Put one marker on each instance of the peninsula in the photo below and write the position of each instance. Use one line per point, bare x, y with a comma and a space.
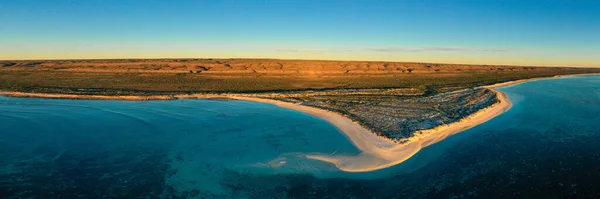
388, 110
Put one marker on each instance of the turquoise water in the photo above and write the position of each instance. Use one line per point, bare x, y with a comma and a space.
545, 146
184, 145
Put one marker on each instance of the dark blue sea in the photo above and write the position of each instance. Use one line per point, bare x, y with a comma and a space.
546, 146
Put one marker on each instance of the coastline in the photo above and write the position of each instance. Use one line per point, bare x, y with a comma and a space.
380, 152
87, 97
376, 152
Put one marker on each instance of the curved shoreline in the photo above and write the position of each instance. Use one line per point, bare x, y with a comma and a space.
380, 152
376, 152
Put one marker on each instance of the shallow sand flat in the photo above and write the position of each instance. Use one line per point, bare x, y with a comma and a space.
377, 152
380, 152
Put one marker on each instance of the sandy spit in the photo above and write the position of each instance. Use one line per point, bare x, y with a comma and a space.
380, 152
377, 152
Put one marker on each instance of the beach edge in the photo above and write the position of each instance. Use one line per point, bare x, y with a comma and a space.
377, 152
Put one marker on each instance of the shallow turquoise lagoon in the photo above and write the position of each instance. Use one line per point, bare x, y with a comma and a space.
188, 144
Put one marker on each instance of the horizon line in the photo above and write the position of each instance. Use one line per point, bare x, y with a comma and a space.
300, 59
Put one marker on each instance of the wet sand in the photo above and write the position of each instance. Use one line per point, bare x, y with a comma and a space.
380, 152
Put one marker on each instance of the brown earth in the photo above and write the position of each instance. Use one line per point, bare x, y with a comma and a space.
166, 76
253, 66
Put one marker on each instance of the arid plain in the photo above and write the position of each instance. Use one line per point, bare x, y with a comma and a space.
169, 76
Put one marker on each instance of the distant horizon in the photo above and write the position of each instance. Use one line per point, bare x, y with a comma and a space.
293, 59
520, 33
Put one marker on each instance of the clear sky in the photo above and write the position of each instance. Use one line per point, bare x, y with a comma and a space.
520, 32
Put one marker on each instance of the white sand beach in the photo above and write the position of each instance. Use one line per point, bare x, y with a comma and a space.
380, 152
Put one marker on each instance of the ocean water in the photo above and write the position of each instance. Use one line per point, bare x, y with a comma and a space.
546, 146
87, 148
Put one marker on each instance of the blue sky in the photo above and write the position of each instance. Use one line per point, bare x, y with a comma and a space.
528, 32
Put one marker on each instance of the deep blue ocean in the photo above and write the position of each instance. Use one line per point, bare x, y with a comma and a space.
546, 146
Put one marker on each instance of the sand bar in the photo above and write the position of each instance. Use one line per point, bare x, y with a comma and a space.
380, 152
